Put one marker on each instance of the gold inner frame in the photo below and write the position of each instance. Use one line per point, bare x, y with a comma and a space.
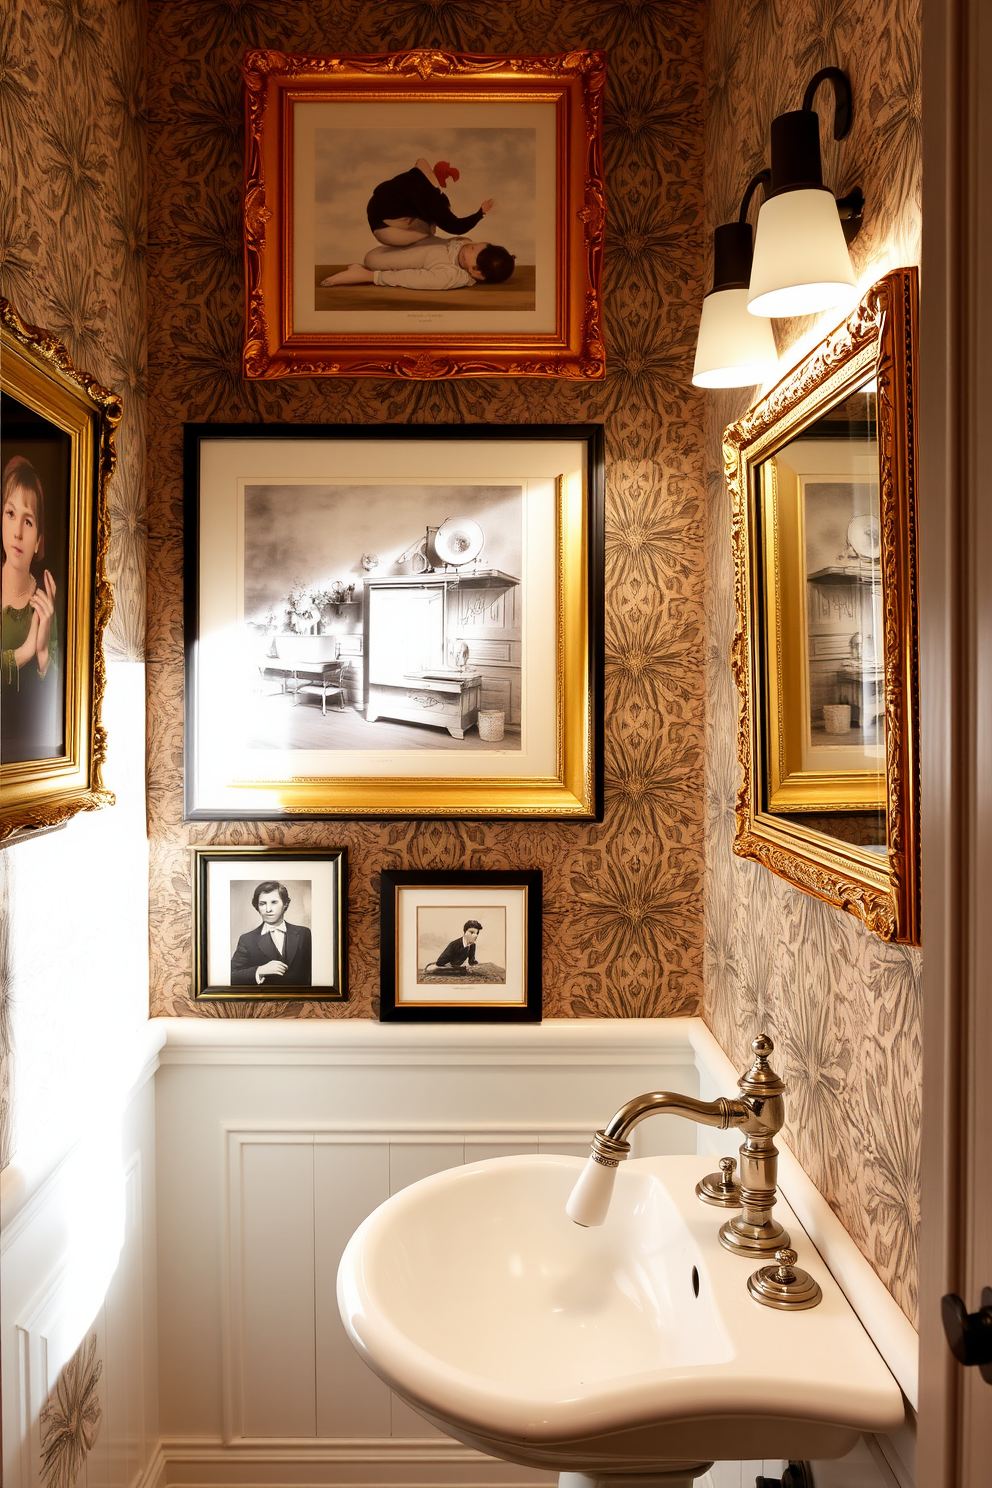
785, 663
39, 373
881, 889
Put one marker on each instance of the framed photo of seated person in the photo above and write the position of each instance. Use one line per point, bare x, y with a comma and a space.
424, 214
269, 924
460, 947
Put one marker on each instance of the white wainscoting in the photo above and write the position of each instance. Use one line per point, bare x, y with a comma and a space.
78, 1261
275, 1142
277, 1137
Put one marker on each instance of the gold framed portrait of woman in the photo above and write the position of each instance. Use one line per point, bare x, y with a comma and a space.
56, 459
821, 473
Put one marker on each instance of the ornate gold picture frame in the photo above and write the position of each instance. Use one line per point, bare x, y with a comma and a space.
822, 477
332, 144
58, 456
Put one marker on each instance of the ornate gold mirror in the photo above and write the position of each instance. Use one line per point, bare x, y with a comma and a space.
822, 478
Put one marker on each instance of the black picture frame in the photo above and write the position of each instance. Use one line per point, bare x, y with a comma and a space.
445, 896
568, 784
222, 891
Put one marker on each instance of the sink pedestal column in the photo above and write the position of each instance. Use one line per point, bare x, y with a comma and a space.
679, 1475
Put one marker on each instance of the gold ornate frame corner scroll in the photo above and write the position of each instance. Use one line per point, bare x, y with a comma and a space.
37, 370
575, 83
881, 333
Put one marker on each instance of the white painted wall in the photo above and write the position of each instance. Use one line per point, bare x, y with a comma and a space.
77, 1262
77, 1243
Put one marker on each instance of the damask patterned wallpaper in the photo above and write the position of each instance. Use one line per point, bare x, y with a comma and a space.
623, 908
843, 1007
72, 229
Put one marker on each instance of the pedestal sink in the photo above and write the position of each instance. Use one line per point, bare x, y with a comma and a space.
632, 1349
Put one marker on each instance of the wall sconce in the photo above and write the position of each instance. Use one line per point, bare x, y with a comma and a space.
734, 349
801, 262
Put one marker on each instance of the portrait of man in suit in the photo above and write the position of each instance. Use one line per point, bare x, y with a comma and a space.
276, 951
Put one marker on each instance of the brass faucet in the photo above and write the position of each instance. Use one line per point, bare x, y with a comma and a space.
758, 1112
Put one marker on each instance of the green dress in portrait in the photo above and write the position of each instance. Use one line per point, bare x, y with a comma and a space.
31, 707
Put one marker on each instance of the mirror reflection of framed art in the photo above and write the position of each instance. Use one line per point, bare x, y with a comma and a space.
822, 475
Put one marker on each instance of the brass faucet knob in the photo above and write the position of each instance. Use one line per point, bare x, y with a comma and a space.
721, 1189
762, 1046
786, 1260
784, 1286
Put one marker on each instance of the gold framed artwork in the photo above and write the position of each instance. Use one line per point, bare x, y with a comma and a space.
424, 214
394, 620
822, 476
269, 923
57, 458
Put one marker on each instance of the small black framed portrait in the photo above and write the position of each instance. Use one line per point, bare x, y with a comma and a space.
460, 947
269, 923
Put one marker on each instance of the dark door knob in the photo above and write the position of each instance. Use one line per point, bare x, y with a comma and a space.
969, 1334
796, 1475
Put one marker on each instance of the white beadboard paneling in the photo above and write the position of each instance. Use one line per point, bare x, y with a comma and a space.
412, 1160
350, 1180
273, 1296
51, 1253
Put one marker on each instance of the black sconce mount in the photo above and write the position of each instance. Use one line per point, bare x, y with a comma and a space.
795, 143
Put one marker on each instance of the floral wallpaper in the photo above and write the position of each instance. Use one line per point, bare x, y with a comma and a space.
623, 908
843, 1007
71, 1417
72, 229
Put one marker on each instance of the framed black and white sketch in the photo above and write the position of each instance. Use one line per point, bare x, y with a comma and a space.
269, 923
393, 621
460, 947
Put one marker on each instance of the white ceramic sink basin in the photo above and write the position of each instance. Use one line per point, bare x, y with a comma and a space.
588, 1350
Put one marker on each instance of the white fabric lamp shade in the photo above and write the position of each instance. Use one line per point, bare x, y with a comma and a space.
734, 349
801, 261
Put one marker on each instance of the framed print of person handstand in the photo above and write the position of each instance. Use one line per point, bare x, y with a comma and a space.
404, 214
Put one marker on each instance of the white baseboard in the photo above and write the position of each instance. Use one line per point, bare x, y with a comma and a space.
396, 1462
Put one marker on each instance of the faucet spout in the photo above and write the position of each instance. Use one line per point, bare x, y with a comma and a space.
720, 1112
758, 1111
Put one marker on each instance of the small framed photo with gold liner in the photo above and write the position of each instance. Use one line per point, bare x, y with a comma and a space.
57, 456
269, 924
460, 947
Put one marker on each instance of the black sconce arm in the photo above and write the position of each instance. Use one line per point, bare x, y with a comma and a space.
843, 100
764, 179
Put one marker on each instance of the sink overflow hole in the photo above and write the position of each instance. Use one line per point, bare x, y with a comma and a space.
695, 1282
